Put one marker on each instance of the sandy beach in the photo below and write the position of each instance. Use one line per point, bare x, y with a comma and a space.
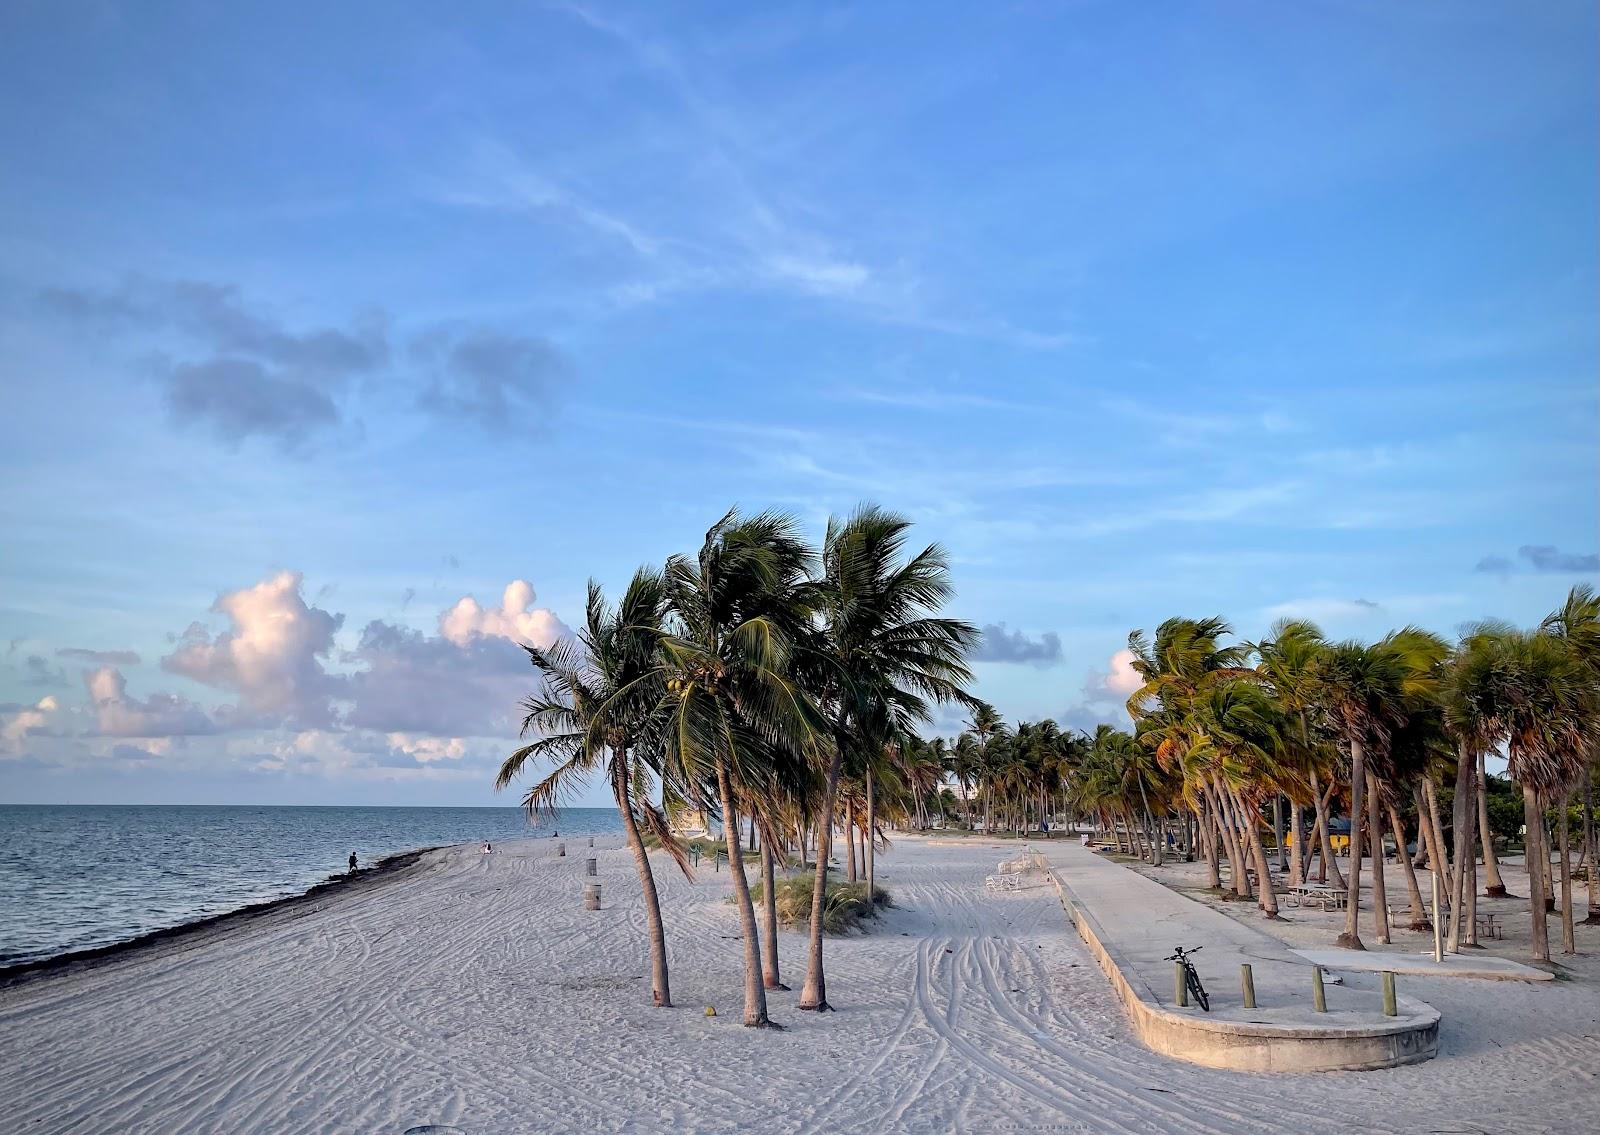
473, 991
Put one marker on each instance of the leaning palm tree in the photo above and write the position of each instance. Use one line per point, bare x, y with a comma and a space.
1546, 704
733, 711
596, 709
1577, 623
885, 656
1362, 691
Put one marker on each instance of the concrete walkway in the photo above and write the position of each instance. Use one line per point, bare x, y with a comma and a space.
1132, 924
1485, 967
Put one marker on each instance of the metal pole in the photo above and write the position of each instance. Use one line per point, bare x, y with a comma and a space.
1248, 982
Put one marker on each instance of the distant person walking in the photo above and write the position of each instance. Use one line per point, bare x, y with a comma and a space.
352, 861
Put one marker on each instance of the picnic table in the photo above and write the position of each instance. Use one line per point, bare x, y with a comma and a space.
1316, 894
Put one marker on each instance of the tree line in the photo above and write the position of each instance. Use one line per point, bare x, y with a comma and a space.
1230, 737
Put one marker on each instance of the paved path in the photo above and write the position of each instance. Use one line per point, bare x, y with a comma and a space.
1422, 965
1140, 921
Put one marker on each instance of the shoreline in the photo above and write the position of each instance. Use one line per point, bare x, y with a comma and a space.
195, 930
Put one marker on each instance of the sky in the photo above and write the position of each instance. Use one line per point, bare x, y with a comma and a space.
341, 344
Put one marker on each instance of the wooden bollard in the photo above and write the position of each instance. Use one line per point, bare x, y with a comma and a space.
591, 841
591, 896
561, 850
591, 866
1319, 998
1247, 982
1180, 985
1390, 1009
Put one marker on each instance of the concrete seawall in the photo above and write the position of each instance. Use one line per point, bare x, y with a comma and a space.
1274, 1040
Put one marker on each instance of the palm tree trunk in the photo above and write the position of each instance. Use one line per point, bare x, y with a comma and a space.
1155, 852
1568, 945
1419, 911
872, 900
1297, 874
850, 841
1591, 847
1380, 891
1324, 841
1269, 899
660, 989
1351, 938
755, 996
1494, 887
1277, 830
769, 914
1230, 834
1209, 840
1461, 830
814, 993
1533, 821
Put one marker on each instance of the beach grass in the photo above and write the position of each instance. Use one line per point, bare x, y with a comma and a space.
846, 908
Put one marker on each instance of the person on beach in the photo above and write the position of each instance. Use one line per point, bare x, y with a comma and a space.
352, 861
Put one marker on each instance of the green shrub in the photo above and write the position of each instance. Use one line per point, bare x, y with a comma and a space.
847, 906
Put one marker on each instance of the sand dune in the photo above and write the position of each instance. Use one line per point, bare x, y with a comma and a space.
475, 992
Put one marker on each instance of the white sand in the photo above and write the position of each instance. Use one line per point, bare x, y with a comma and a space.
475, 992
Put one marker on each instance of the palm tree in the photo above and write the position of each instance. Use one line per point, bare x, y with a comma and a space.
887, 657
1577, 623
1361, 689
596, 705
1287, 661
734, 712
1186, 659
1546, 704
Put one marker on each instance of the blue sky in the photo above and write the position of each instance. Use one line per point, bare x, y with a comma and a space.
320, 325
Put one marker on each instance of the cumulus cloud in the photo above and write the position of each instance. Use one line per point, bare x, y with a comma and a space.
424, 684
494, 380
271, 655
159, 715
514, 620
45, 717
402, 703
99, 657
1002, 645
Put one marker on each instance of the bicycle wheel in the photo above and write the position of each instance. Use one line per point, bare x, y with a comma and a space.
1198, 991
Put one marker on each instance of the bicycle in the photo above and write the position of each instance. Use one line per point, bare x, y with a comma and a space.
1190, 977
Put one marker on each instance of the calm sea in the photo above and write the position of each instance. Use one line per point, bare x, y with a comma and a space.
77, 876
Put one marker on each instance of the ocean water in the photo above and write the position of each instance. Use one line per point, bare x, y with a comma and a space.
73, 877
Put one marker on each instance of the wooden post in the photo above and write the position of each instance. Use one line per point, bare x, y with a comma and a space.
591, 841
1319, 997
591, 866
1389, 1007
1248, 982
1180, 987
591, 896
561, 850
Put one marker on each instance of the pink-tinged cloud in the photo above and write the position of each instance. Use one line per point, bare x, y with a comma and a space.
514, 620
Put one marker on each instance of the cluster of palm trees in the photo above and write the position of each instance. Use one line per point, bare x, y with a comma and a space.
1228, 733
770, 682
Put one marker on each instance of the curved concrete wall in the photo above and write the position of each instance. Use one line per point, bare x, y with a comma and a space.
1251, 1046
